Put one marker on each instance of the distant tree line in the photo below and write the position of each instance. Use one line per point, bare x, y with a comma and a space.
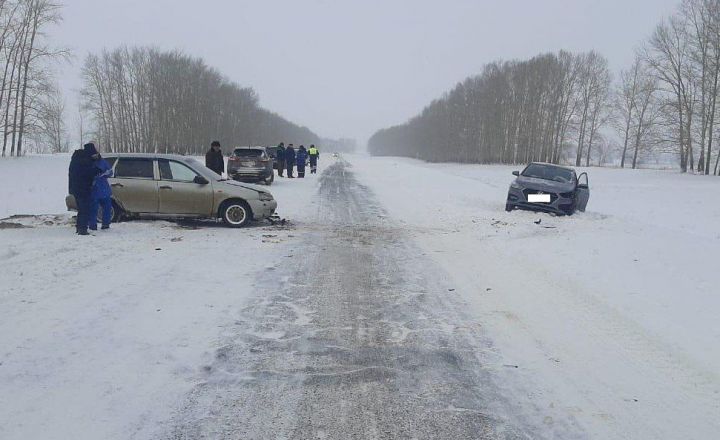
515, 111
31, 106
146, 100
564, 107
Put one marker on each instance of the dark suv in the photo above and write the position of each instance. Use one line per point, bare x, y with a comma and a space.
549, 188
251, 164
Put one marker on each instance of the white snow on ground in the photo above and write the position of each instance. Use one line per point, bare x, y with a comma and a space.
610, 315
32, 184
102, 336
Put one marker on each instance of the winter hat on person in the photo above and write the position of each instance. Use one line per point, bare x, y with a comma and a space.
90, 149
215, 144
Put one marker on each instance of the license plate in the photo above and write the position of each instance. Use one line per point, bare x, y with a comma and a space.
539, 198
248, 164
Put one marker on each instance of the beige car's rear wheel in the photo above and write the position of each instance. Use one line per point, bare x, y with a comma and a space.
236, 214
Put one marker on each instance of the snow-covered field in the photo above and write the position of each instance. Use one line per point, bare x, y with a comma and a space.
612, 316
102, 336
608, 319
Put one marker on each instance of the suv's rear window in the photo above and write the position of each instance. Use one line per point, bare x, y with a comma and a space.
134, 168
248, 153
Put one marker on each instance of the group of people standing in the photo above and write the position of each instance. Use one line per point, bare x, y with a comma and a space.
88, 183
287, 158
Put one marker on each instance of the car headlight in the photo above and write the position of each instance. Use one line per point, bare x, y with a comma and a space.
514, 185
265, 197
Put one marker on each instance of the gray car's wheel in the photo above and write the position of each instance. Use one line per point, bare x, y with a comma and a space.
236, 214
270, 179
509, 207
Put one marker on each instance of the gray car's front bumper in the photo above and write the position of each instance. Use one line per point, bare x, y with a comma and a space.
560, 203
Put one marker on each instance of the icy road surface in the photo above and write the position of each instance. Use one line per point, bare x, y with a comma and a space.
363, 340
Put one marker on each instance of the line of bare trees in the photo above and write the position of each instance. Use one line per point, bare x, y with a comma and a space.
146, 100
516, 111
565, 108
31, 107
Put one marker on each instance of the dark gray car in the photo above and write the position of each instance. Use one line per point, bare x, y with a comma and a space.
548, 188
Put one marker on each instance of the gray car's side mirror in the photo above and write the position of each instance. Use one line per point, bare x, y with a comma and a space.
200, 180
516, 173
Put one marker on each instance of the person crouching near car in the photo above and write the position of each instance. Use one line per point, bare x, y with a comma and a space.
81, 175
280, 159
301, 159
101, 195
214, 158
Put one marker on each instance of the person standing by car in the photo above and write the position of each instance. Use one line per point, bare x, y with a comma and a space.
314, 155
280, 159
214, 158
301, 160
101, 195
290, 160
81, 174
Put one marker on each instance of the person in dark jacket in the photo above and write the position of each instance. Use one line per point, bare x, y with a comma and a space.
101, 195
280, 159
290, 160
314, 155
214, 158
81, 175
301, 160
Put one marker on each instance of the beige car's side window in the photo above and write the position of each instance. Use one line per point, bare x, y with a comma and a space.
134, 168
171, 170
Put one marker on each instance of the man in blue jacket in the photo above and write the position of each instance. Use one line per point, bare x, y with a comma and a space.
81, 176
301, 158
101, 195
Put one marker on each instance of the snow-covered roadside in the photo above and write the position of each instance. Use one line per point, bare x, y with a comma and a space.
102, 336
33, 184
610, 316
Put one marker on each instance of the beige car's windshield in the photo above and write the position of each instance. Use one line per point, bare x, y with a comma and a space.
203, 169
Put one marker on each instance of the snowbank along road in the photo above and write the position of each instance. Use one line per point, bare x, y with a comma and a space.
402, 302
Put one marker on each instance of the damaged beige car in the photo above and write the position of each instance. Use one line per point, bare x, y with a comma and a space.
177, 187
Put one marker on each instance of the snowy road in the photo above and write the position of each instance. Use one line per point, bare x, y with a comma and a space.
367, 342
402, 302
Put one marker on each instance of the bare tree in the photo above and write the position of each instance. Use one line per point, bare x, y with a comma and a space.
668, 54
50, 121
144, 100
24, 54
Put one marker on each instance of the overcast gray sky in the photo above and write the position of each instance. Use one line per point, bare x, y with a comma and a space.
347, 68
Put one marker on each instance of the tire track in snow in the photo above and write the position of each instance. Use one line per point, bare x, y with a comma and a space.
353, 337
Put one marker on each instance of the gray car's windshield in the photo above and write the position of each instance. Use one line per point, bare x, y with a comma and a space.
547, 172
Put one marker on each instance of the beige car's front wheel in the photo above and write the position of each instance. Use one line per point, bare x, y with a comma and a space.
236, 214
